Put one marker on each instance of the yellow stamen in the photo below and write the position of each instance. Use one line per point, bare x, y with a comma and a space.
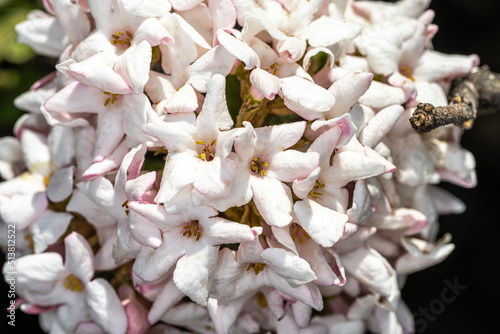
259, 166
206, 154
73, 283
192, 229
407, 73
111, 99
299, 233
257, 267
120, 38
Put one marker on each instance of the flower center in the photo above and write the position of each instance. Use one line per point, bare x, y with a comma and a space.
257, 267
120, 38
192, 229
259, 166
407, 73
273, 67
110, 99
208, 152
314, 194
299, 233
74, 283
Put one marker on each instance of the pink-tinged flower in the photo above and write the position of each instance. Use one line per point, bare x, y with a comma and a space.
189, 246
371, 269
117, 55
117, 114
271, 74
389, 219
267, 309
252, 267
43, 279
323, 191
129, 185
379, 11
188, 315
137, 313
264, 164
293, 25
325, 265
422, 254
170, 91
451, 161
24, 199
433, 201
164, 295
151, 8
50, 34
198, 149
347, 88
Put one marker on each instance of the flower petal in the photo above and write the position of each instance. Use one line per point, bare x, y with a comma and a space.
79, 258
273, 200
193, 273
49, 228
305, 97
105, 307
324, 225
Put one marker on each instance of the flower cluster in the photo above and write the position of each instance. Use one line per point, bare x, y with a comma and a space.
229, 166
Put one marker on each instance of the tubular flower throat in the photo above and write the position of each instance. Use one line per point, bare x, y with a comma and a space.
73, 283
208, 152
258, 166
112, 98
192, 229
273, 67
257, 267
119, 38
314, 194
299, 233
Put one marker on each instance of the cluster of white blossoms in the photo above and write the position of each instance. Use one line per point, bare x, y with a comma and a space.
229, 166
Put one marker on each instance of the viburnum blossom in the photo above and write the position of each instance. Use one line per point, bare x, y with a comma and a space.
229, 166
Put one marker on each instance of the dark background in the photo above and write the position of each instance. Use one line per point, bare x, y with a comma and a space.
465, 27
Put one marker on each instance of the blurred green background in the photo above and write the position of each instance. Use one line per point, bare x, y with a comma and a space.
19, 66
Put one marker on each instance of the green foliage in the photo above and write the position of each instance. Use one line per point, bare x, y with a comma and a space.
234, 100
19, 66
11, 50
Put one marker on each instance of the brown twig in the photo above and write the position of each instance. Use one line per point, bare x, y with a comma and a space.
474, 95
